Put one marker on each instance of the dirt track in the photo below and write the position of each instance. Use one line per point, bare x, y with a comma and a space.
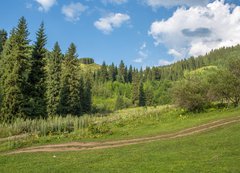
78, 146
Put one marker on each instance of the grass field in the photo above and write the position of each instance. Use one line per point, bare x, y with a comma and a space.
126, 124
214, 151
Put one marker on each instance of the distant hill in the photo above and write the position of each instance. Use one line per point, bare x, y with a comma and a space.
218, 57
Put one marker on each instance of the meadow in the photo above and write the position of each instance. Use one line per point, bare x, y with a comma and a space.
122, 124
213, 151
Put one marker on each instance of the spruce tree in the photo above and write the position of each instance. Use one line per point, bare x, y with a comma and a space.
126, 75
3, 39
142, 99
70, 101
37, 77
135, 88
16, 59
130, 74
121, 72
104, 72
87, 99
53, 80
112, 73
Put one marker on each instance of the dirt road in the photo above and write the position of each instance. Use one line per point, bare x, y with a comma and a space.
78, 146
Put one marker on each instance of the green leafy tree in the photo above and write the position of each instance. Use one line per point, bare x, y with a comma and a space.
37, 77
191, 93
119, 104
53, 80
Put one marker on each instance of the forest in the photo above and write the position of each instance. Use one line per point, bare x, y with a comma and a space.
38, 83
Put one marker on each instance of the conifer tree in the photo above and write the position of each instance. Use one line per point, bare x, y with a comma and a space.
135, 88
70, 101
37, 77
142, 99
112, 73
16, 59
104, 72
53, 80
126, 75
121, 72
3, 39
130, 74
87, 99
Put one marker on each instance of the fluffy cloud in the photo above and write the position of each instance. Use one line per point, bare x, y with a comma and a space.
162, 62
45, 5
142, 54
108, 23
114, 1
197, 30
170, 3
73, 11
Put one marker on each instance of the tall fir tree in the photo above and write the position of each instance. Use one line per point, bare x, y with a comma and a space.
3, 39
37, 77
70, 100
135, 88
142, 99
87, 99
104, 72
121, 72
112, 73
126, 75
16, 58
130, 71
53, 80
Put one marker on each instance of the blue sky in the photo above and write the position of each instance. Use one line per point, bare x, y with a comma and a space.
140, 32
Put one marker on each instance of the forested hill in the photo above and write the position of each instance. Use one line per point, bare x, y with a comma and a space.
36, 82
218, 57
172, 72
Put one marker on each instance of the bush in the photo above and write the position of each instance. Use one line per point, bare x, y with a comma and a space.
99, 128
191, 93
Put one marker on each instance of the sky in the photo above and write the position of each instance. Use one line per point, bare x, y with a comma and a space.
139, 32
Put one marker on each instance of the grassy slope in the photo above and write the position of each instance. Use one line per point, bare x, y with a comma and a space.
130, 123
214, 151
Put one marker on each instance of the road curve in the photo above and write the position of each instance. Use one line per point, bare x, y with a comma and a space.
79, 146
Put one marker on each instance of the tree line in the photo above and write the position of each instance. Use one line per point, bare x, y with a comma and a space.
35, 82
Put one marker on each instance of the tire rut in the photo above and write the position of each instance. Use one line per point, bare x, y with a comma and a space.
79, 146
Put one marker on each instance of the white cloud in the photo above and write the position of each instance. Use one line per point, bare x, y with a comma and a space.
163, 62
108, 23
29, 5
142, 53
198, 30
114, 1
45, 5
73, 11
171, 3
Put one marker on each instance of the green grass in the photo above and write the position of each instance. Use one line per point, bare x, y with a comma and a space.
124, 124
214, 151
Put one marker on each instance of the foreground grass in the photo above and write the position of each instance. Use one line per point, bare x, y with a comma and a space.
124, 124
214, 151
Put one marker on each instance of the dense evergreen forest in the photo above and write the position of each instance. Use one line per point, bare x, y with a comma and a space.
36, 82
